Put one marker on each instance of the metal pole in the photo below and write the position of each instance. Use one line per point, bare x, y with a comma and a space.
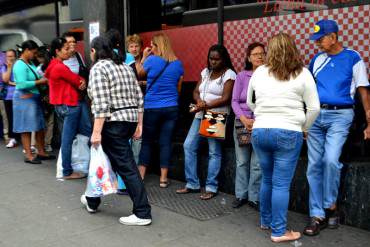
56, 7
220, 21
125, 18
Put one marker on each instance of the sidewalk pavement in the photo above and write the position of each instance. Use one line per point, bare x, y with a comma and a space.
36, 210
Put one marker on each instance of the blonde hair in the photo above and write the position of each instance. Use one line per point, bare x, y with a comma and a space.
283, 59
163, 44
134, 39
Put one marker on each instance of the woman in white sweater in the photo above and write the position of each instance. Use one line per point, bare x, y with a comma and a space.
282, 94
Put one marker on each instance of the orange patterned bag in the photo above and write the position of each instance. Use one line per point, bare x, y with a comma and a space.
213, 124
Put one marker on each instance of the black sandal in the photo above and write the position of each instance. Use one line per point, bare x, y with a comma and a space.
187, 191
164, 184
46, 157
35, 161
265, 228
207, 195
333, 218
315, 226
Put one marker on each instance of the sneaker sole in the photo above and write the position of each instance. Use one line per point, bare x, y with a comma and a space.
135, 224
84, 202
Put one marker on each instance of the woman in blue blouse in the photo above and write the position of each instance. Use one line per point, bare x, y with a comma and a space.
164, 76
27, 111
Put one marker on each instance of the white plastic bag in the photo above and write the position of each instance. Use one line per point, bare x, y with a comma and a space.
102, 180
80, 156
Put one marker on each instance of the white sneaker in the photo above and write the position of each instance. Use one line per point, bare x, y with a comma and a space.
84, 202
132, 220
48, 148
12, 143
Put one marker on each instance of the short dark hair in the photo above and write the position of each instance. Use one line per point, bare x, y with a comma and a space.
104, 50
224, 54
45, 54
68, 34
249, 65
56, 44
29, 44
116, 40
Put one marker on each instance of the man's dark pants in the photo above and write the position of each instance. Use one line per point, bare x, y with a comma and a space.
115, 143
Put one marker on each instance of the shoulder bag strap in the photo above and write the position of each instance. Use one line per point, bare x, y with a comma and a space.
156, 78
34, 73
79, 59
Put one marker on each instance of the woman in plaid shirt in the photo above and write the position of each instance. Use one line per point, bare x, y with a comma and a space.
117, 106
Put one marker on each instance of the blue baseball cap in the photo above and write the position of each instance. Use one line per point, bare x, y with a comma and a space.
323, 28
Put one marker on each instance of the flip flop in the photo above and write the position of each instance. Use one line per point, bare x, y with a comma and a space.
265, 228
34, 161
187, 191
164, 184
288, 236
207, 195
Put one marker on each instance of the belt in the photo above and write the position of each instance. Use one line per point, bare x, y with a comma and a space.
335, 107
122, 108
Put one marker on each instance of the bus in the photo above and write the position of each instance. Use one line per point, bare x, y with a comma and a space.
192, 27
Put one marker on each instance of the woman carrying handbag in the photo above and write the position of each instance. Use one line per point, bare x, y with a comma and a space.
247, 171
164, 73
212, 95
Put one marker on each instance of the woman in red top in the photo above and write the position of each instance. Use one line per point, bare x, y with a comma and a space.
65, 88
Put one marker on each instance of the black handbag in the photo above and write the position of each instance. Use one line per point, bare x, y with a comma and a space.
3, 91
83, 70
243, 135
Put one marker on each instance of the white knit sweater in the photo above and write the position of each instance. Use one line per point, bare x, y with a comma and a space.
279, 104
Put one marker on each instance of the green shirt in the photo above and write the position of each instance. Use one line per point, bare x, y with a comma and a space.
24, 77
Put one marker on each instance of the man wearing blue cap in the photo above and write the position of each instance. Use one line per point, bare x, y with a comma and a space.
338, 72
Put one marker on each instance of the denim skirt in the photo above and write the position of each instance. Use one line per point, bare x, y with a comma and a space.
28, 115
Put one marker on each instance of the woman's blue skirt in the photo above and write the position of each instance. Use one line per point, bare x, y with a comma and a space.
28, 115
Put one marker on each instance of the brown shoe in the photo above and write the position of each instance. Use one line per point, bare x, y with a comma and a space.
75, 175
288, 236
314, 226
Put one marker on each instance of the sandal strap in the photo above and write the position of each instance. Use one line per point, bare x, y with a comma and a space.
207, 195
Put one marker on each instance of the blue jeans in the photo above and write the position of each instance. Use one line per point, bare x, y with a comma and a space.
76, 120
278, 152
191, 156
136, 147
247, 173
158, 125
325, 141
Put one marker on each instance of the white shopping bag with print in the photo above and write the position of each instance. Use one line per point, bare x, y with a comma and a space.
101, 180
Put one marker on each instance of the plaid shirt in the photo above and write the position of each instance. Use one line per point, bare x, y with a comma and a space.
112, 87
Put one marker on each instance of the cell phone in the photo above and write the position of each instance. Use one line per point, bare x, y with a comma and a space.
192, 107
